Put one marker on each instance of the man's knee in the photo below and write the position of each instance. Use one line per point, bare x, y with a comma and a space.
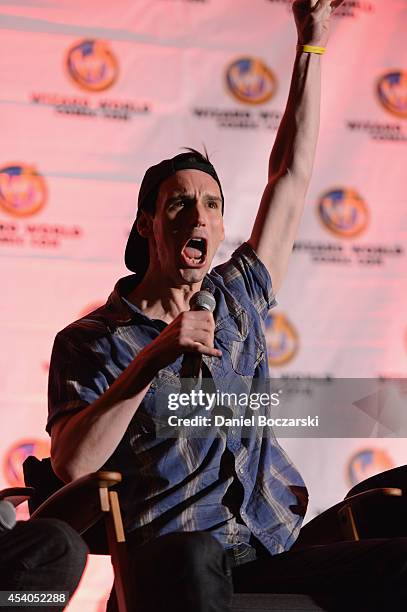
62, 541
197, 549
187, 554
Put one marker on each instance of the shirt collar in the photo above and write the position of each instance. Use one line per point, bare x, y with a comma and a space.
122, 311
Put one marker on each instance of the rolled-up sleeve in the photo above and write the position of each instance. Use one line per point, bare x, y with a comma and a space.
75, 380
244, 272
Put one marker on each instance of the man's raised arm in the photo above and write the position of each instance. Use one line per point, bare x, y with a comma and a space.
293, 153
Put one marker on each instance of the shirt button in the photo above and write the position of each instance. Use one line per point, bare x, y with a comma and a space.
241, 470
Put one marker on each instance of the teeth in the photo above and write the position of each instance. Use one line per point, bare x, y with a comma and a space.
197, 243
195, 250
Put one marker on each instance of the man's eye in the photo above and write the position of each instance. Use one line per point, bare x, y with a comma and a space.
213, 204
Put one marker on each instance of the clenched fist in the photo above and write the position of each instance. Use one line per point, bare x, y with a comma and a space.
191, 332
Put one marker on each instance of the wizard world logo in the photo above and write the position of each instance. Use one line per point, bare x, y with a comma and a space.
391, 90
281, 338
250, 80
17, 454
92, 65
343, 212
366, 463
23, 191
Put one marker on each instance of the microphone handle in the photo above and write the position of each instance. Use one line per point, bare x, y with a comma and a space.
191, 366
192, 362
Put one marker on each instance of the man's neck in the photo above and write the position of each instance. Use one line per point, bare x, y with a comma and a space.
157, 298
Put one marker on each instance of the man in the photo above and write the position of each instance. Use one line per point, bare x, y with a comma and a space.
186, 501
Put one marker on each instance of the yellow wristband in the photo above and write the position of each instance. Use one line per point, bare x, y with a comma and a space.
312, 49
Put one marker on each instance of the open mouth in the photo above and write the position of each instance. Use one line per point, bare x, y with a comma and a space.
194, 252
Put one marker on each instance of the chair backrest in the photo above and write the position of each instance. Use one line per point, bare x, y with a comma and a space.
375, 513
396, 477
40, 475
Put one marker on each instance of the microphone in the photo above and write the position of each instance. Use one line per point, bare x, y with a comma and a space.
192, 363
7, 515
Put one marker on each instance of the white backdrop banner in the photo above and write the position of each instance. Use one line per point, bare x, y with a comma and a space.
93, 95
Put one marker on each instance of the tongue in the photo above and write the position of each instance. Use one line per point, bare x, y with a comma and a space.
191, 252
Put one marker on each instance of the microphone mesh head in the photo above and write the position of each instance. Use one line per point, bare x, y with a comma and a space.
202, 300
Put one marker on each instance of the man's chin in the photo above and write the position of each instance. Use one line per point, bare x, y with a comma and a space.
192, 275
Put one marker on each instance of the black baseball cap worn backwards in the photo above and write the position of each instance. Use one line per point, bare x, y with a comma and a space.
136, 255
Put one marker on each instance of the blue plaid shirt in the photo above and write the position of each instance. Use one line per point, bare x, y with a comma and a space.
188, 484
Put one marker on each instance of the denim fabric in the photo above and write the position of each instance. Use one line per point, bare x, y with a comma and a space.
238, 554
189, 572
365, 576
179, 572
178, 484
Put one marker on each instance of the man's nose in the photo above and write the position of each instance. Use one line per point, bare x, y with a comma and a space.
197, 215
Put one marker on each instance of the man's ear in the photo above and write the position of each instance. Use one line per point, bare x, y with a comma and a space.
144, 224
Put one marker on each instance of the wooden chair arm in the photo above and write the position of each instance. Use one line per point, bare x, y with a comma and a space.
80, 503
396, 477
360, 516
378, 492
17, 495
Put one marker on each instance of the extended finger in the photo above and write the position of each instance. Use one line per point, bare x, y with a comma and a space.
202, 349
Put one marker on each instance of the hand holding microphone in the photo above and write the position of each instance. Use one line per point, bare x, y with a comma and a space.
191, 334
192, 363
